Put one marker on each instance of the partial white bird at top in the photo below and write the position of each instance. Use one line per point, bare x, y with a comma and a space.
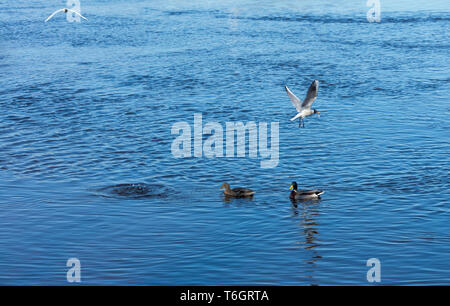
304, 108
65, 10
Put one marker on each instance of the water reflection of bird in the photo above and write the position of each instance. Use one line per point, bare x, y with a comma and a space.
308, 212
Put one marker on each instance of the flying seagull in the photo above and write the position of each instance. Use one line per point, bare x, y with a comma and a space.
65, 10
304, 108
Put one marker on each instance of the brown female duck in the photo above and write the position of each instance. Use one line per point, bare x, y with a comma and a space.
236, 192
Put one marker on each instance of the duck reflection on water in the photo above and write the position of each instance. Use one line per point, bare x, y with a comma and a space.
308, 211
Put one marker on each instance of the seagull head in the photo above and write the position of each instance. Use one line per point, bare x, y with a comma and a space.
316, 112
66, 10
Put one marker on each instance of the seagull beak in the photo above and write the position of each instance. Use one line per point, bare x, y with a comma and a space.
290, 188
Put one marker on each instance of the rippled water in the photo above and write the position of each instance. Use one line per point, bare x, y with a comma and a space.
88, 107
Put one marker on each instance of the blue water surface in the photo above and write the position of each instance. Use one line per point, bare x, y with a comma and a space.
87, 107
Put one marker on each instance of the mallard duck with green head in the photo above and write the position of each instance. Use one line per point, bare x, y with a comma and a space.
296, 194
236, 192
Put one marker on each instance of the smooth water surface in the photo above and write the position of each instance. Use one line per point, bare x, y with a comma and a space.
87, 109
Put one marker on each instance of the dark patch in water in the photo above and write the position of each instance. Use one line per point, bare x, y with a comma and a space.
133, 191
339, 19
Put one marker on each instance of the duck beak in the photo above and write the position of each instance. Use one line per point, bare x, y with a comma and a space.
290, 188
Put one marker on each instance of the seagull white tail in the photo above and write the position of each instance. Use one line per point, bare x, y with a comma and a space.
296, 117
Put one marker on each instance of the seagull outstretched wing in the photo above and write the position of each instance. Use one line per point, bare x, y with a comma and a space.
295, 101
54, 13
311, 95
64, 10
77, 14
